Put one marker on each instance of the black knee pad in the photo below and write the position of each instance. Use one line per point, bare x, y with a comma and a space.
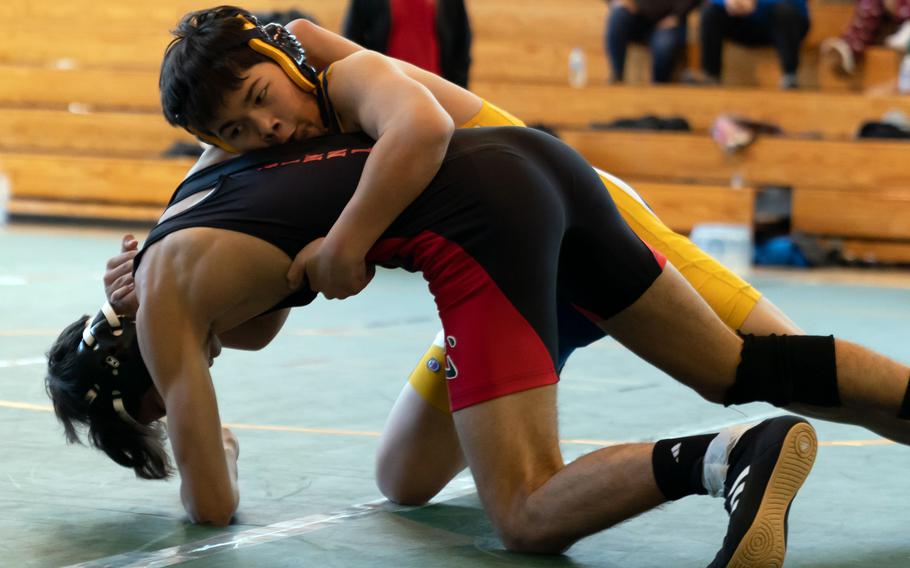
783, 369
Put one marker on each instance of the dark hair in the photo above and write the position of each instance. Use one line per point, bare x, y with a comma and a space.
138, 447
207, 58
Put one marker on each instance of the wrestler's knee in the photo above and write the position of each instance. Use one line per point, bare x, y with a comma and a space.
786, 369
522, 532
402, 481
404, 494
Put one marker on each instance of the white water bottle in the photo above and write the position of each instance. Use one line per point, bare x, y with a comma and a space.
903, 76
578, 68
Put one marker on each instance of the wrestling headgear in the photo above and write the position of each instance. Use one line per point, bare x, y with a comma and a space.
278, 44
108, 352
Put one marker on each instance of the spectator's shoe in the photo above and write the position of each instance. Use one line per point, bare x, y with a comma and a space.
765, 467
900, 40
838, 53
788, 82
698, 78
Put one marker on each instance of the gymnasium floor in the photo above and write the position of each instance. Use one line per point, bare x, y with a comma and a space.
307, 411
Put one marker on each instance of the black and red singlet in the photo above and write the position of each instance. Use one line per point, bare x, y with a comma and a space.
521, 246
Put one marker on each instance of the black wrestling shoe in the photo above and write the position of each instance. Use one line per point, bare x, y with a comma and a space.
767, 466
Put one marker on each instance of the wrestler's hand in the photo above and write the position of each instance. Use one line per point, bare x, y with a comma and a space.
330, 270
335, 271
119, 288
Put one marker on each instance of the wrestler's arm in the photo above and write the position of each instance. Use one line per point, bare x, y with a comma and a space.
322, 46
412, 132
120, 291
256, 333
174, 340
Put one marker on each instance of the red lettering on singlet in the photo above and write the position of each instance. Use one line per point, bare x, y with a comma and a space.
316, 157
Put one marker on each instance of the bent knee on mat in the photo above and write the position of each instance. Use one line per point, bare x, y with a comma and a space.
530, 537
409, 492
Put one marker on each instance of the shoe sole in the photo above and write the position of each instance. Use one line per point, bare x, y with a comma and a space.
765, 543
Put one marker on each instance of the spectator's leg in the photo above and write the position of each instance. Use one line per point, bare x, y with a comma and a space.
623, 27
713, 28
863, 28
788, 28
666, 46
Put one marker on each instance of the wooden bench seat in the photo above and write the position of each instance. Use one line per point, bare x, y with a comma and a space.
28, 86
824, 164
91, 179
859, 191
163, 13
834, 115
137, 189
682, 206
120, 134
874, 214
513, 40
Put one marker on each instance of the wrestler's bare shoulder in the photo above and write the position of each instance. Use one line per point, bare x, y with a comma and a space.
236, 275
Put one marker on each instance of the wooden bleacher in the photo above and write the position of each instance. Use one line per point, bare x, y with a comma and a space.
29, 86
836, 115
833, 164
81, 131
514, 40
831, 115
859, 191
111, 134
61, 185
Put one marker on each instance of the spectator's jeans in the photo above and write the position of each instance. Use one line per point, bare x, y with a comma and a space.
624, 27
781, 25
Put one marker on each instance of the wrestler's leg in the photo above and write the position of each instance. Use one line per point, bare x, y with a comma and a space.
536, 503
765, 318
418, 450
742, 307
671, 327
733, 299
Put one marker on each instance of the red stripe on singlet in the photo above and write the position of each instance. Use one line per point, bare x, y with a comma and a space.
496, 351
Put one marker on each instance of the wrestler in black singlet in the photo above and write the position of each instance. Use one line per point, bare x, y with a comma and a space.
513, 229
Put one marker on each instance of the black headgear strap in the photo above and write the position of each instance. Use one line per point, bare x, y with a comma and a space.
109, 354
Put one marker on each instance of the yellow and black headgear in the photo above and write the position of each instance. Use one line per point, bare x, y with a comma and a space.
281, 46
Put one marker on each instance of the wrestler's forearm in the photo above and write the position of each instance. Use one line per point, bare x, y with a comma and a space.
400, 166
322, 46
